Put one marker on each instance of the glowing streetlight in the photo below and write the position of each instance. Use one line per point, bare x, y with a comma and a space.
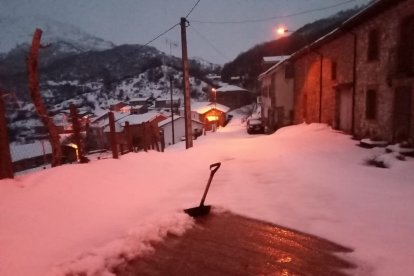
281, 30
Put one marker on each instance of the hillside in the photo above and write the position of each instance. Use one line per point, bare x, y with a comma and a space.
19, 30
248, 64
93, 79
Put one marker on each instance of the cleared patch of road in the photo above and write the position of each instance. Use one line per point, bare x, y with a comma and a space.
229, 244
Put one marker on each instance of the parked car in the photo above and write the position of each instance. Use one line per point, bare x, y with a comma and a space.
254, 126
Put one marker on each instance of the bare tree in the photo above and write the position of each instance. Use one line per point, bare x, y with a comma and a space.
32, 70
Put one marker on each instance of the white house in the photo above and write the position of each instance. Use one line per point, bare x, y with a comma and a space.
179, 129
276, 85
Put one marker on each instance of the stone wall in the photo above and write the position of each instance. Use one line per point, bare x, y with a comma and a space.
316, 103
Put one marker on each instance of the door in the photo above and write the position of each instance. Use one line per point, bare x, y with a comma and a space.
402, 113
345, 110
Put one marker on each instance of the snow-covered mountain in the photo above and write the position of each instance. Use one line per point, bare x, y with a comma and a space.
71, 39
87, 71
204, 64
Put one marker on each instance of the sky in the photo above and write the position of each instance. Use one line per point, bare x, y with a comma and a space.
305, 177
139, 21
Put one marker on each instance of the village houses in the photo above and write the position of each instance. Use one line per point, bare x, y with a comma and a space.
359, 78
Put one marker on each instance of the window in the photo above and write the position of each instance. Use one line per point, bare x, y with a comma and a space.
371, 104
406, 47
373, 45
289, 71
333, 70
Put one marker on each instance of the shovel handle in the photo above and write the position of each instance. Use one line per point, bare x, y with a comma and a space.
213, 168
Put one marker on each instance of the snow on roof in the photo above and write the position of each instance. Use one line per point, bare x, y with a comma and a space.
25, 151
114, 102
203, 107
230, 87
274, 58
331, 35
136, 119
355, 19
102, 121
167, 98
118, 128
168, 120
139, 99
281, 61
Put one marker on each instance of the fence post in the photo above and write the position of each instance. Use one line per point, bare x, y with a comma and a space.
145, 136
114, 146
162, 140
128, 136
6, 165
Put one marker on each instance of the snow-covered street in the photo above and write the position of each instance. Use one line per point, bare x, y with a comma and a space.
311, 178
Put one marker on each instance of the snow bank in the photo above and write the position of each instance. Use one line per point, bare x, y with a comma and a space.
87, 218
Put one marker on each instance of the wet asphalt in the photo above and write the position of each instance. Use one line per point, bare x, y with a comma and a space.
229, 244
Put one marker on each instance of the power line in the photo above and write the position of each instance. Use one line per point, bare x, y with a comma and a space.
161, 34
192, 8
211, 44
274, 17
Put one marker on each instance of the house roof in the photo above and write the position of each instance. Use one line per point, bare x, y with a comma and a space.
228, 88
136, 119
167, 98
168, 121
203, 107
274, 59
272, 68
370, 11
139, 99
103, 120
115, 102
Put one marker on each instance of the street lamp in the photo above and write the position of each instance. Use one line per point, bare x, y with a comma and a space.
281, 30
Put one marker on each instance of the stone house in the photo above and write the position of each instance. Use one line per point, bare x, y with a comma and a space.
115, 105
360, 77
136, 127
165, 102
96, 137
139, 105
276, 92
233, 96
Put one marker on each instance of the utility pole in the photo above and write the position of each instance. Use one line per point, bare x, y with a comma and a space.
186, 85
172, 109
171, 43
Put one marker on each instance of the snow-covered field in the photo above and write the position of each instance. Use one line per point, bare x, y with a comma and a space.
89, 217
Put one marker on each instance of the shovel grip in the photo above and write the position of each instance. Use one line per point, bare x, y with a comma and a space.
214, 167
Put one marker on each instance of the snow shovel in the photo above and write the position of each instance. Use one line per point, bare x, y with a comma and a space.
203, 210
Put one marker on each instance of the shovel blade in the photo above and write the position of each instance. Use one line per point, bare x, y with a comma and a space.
198, 211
